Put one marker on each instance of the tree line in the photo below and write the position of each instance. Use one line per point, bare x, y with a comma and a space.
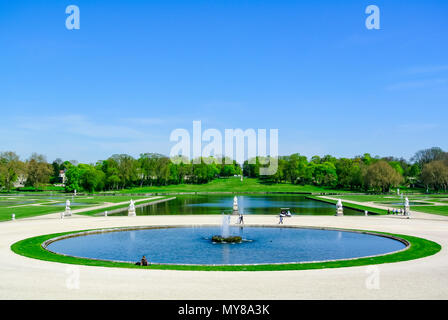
427, 169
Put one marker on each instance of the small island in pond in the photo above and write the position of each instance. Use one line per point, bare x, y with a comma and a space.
231, 239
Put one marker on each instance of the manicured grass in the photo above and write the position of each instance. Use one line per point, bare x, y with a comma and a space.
122, 206
233, 185
371, 198
26, 211
419, 248
385, 201
440, 210
350, 205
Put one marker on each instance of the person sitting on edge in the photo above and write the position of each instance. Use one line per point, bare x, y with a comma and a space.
144, 262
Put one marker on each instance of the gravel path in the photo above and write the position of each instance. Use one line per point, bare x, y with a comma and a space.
25, 278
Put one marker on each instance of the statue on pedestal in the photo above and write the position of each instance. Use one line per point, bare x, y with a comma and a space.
68, 211
339, 209
407, 209
235, 205
131, 210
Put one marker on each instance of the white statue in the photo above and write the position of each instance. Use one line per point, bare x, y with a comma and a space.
235, 205
407, 210
68, 211
339, 208
131, 210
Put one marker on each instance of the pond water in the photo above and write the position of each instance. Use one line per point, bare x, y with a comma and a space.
192, 245
411, 203
248, 204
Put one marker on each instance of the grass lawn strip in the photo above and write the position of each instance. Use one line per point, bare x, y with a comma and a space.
350, 205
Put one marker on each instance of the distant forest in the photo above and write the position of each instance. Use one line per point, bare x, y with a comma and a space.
427, 169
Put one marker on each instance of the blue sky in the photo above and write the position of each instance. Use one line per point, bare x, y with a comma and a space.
136, 70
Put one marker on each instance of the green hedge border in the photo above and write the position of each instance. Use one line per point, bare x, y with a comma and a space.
418, 248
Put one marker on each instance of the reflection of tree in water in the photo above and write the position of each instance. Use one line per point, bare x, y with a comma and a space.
248, 204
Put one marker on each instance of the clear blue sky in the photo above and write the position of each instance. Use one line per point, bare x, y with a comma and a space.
136, 70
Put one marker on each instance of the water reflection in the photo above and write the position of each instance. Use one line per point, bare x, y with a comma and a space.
248, 204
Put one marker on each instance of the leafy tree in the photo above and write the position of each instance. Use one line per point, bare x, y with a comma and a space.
435, 175
57, 167
381, 176
38, 170
397, 166
10, 168
425, 156
325, 174
72, 176
295, 168
90, 178
127, 169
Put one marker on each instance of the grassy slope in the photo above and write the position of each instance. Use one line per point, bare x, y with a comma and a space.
352, 206
419, 248
233, 185
440, 210
93, 212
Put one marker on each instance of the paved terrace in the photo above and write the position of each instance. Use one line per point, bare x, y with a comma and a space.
25, 278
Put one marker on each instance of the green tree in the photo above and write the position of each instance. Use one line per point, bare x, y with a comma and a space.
90, 178
381, 176
72, 176
425, 156
38, 170
10, 168
435, 175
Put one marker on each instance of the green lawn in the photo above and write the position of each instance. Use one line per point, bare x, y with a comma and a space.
233, 185
350, 205
26, 211
122, 206
441, 210
385, 199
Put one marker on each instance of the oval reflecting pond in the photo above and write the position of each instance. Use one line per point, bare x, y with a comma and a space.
192, 245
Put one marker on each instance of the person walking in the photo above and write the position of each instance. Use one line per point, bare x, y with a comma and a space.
281, 220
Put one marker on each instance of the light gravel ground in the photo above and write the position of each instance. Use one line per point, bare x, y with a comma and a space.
25, 278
